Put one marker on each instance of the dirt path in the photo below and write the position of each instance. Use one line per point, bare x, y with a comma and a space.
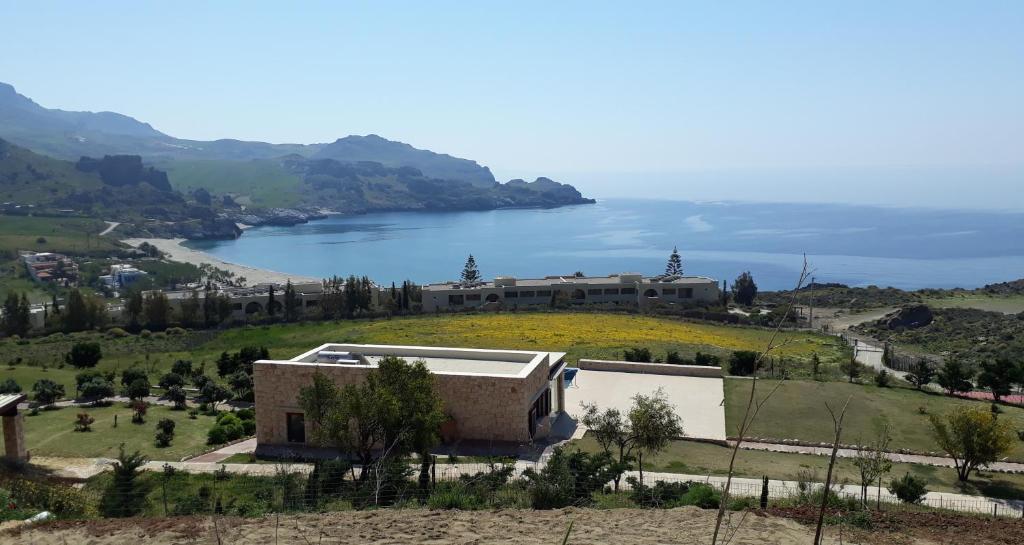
111, 225
423, 526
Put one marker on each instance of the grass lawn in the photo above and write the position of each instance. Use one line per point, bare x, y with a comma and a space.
797, 411
1009, 304
62, 234
707, 459
52, 433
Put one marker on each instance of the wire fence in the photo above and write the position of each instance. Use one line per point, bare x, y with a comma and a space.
338, 486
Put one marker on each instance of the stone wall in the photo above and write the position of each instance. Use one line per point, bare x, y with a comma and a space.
651, 368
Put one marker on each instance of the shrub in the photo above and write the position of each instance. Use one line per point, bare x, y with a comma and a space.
60, 499
166, 425
116, 332
83, 422
637, 355
882, 379
667, 495
216, 436
709, 360
674, 358
908, 488
163, 439
84, 354
193, 413
9, 386
175, 331
139, 409
568, 479
145, 334
453, 495
742, 363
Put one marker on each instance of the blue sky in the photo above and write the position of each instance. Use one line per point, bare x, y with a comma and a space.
692, 100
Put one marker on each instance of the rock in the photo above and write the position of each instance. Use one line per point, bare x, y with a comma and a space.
909, 317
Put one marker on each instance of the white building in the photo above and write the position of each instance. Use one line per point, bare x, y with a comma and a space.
122, 276
616, 289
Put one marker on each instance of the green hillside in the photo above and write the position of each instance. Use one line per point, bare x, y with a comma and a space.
262, 182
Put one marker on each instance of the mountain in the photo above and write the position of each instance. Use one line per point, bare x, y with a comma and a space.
264, 176
397, 154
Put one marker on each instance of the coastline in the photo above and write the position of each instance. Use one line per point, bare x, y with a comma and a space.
174, 251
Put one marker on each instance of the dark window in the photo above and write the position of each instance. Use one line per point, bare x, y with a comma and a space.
668, 291
527, 294
628, 291
543, 293
594, 291
455, 299
472, 296
511, 294
296, 428
312, 303
611, 291
686, 293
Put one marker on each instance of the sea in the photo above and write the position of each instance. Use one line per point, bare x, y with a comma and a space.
908, 248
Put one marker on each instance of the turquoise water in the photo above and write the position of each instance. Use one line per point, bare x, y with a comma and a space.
905, 248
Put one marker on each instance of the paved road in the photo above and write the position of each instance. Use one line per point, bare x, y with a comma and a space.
111, 225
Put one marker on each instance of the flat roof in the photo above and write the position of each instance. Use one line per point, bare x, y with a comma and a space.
571, 280
438, 359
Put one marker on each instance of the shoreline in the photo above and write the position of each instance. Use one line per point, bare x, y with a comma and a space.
174, 251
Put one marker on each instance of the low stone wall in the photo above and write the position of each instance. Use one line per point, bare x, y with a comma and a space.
650, 368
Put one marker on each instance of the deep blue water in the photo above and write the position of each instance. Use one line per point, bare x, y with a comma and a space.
856, 245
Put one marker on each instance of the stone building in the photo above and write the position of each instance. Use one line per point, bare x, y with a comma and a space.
500, 396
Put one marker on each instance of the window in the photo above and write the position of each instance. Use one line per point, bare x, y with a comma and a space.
472, 296
511, 294
668, 291
594, 291
686, 293
296, 427
611, 291
543, 293
455, 299
527, 294
541, 408
628, 291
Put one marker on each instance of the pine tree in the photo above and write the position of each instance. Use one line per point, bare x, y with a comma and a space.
470, 274
271, 303
675, 263
744, 290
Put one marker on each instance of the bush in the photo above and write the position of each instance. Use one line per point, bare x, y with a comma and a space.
637, 355
227, 428
668, 495
708, 360
145, 334
163, 439
84, 354
216, 436
83, 422
882, 379
175, 331
116, 332
674, 358
742, 363
453, 495
568, 479
908, 488
59, 499
9, 386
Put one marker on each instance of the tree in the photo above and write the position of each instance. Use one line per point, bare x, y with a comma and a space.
81, 314
133, 307
182, 367
189, 309
9, 386
972, 437
872, 462
921, 373
882, 378
837, 427
743, 363
84, 354
169, 380
396, 408
998, 376
240, 383
123, 497
16, 317
955, 376
83, 422
815, 365
164, 432
744, 290
97, 388
271, 303
46, 391
470, 274
852, 368
132, 374
137, 389
139, 410
614, 435
292, 305
214, 393
157, 310
654, 423
674, 267
908, 488
176, 395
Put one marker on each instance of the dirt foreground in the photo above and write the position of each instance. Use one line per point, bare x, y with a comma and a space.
421, 526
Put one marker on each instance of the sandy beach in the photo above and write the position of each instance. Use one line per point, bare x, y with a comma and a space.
174, 251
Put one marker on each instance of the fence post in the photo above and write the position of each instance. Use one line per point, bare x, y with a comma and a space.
433, 471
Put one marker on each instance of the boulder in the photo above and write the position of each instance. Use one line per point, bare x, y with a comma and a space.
909, 317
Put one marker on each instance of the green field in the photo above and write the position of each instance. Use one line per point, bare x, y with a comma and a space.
52, 433
579, 334
797, 411
263, 181
69, 235
707, 459
1007, 304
